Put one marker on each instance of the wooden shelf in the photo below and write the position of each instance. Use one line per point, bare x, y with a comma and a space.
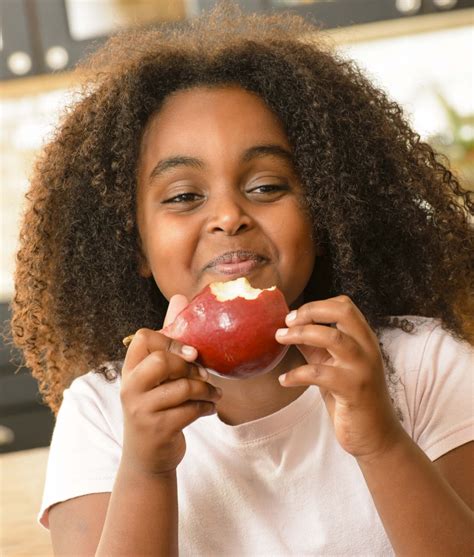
27, 86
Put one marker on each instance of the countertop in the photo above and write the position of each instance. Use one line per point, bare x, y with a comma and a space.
22, 476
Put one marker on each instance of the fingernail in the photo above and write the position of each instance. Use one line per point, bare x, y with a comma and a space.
203, 372
282, 332
282, 378
219, 391
189, 351
127, 340
291, 316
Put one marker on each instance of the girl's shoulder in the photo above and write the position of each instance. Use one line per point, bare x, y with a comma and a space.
417, 326
100, 384
430, 379
416, 340
92, 405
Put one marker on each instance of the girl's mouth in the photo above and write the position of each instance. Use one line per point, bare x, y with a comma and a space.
236, 263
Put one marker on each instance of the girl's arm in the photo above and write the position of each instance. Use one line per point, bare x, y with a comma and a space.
142, 517
421, 513
77, 523
162, 391
139, 517
421, 504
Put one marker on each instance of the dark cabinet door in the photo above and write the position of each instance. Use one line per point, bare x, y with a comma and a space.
37, 38
19, 55
25, 422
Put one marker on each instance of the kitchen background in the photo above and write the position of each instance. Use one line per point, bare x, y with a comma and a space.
420, 51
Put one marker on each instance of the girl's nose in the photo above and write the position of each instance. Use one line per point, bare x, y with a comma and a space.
228, 216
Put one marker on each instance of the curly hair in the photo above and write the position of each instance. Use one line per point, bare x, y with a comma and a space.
392, 218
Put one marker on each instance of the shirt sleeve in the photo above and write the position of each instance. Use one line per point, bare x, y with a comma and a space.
85, 448
444, 412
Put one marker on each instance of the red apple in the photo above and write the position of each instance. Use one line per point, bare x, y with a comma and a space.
232, 326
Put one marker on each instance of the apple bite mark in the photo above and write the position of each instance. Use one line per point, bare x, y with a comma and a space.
241, 287
232, 326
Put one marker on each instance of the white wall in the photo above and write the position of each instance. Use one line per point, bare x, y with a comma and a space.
409, 68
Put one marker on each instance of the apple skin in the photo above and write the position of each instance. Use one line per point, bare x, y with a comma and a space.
234, 338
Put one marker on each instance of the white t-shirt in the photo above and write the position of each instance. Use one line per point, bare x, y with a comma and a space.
280, 485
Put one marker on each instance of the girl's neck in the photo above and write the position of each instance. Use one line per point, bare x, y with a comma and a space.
250, 399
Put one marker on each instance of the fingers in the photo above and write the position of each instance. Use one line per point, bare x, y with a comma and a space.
337, 343
147, 341
180, 400
179, 393
177, 303
178, 418
341, 313
343, 383
337, 380
160, 367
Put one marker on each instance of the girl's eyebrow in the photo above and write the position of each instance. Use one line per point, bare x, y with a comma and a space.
269, 150
257, 151
167, 164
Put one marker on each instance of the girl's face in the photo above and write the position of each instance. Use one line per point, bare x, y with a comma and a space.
219, 198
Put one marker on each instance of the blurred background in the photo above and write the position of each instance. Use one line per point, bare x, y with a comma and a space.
420, 51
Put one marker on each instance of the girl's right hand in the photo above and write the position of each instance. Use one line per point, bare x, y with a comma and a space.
162, 392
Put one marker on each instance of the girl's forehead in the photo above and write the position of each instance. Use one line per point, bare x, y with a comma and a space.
214, 129
210, 110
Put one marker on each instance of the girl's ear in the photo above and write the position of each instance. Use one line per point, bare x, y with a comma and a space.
144, 269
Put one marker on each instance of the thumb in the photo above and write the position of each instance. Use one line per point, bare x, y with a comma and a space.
177, 303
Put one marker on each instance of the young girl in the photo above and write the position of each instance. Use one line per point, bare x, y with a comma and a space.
238, 147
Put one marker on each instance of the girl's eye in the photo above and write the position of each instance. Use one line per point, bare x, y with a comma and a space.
183, 198
270, 190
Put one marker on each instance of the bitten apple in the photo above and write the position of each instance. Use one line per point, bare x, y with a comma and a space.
232, 326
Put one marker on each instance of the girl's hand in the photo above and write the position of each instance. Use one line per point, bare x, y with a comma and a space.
162, 392
345, 362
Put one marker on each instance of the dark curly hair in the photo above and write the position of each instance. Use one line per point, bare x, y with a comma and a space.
392, 218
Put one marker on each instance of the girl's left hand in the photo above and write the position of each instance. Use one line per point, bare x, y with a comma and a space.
345, 362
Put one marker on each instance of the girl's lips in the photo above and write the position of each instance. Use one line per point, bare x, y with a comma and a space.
236, 263
239, 268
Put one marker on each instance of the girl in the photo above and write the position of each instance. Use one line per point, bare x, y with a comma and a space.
236, 147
